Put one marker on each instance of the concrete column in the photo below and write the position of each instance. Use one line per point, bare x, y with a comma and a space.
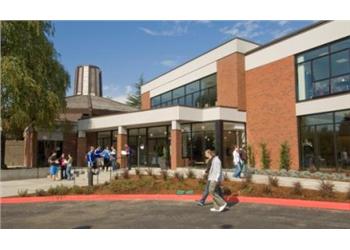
30, 147
82, 149
121, 141
175, 145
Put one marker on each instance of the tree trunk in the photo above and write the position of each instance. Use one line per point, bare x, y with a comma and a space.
3, 143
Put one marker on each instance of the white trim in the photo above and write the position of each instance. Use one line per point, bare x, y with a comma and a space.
312, 38
162, 115
86, 80
210, 57
326, 104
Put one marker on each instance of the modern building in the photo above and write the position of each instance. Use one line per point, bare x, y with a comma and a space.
293, 90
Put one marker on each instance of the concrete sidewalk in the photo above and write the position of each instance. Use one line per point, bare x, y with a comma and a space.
11, 188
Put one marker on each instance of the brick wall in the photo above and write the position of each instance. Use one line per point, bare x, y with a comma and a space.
231, 81
271, 116
14, 152
145, 101
70, 145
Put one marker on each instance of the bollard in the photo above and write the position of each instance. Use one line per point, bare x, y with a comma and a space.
90, 178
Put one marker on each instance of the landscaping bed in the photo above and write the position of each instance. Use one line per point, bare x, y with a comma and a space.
152, 184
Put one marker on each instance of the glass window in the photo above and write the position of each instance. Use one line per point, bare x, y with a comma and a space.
305, 89
209, 81
320, 68
212, 97
205, 126
196, 99
322, 88
157, 132
326, 118
192, 87
340, 63
189, 100
155, 101
133, 131
179, 92
340, 84
181, 101
312, 54
344, 44
186, 128
104, 138
166, 97
342, 116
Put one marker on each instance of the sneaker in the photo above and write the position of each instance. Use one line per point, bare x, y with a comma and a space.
215, 210
199, 203
222, 207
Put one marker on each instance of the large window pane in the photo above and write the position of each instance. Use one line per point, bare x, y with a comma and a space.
104, 139
179, 92
212, 97
340, 84
166, 97
340, 63
312, 54
344, 44
157, 132
155, 101
320, 68
192, 87
189, 100
208, 81
305, 88
322, 88
326, 118
203, 126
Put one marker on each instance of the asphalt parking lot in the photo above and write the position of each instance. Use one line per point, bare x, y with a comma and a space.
165, 214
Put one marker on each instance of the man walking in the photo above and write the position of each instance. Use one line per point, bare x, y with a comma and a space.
236, 162
214, 178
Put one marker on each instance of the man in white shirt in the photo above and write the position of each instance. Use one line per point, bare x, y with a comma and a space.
236, 162
214, 178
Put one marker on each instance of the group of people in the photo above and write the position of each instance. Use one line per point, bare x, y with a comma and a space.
106, 158
213, 173
59, 162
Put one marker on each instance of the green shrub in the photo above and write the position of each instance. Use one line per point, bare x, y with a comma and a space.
267, 189
40, 192
164, 173
273, 181
22, 192
179, 176
191, 174
149, 171
246, 182
116, 177
77, 190
265, 156
58, 190
88, 190
285, 156
251, 157
326, 189
348, 194
297, 188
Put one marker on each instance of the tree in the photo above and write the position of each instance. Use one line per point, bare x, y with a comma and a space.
33, 81
251, 157
285, 156
265, 156
134, 100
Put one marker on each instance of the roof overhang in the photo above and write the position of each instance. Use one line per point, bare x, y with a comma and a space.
161, 116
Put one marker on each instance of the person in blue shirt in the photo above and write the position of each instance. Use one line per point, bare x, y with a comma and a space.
90, 158
106, 158
99, 157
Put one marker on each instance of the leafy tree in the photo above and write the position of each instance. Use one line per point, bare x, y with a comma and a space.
285, 156
33, 81
134, 100
265, 156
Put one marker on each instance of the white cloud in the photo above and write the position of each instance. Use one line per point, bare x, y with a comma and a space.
176, 29
279, 33
169, 62
121, 98
244, 29
282, 22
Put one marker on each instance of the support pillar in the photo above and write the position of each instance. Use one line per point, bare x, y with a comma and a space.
82, 149
30, 147
219, 131
121, 141
175, 145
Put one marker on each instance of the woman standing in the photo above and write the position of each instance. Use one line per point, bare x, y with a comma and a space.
63, 165
69, 167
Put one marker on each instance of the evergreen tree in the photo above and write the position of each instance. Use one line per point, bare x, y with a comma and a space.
285, 156
265, 156
134, 100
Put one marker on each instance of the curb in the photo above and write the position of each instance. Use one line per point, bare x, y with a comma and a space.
173, 197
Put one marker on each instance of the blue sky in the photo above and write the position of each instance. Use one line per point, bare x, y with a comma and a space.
126, 49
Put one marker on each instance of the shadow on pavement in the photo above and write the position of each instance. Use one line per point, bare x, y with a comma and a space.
82, 227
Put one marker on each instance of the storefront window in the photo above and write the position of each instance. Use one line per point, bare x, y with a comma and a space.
104, 139
325, 140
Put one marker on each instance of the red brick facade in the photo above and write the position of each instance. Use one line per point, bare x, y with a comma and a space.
145, 101
82, 149
70, 145
271, 115
121, 141
176, 147
231, 82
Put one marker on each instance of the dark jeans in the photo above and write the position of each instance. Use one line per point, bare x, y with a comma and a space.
206, 192
63, 173
129, 162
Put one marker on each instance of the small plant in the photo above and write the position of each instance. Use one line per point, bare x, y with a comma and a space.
40, 192
348, 194
251, 157
326, 189
246, 182
106, 183
179, 176
116, 177
297, 188
202, 181
88, 190
285, 156
126, 174
226, 191
22, 192
149, 171
225, 177
267, 189
138, 172
191, 174
58, 190
77, 190
273, 181
265, 156
165, 175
